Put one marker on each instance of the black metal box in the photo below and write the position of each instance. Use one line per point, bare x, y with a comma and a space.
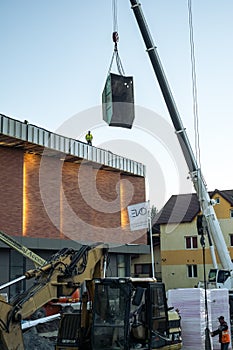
118, 101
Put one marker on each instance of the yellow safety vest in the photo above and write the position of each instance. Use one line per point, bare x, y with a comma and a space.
89, 137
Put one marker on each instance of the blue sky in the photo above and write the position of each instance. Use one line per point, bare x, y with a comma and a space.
55, 56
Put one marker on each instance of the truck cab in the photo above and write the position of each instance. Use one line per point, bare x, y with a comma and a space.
219, 279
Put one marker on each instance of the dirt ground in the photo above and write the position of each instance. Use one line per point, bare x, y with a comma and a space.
41, 337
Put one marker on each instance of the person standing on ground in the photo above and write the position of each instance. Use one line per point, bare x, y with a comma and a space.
89, 138
223, 332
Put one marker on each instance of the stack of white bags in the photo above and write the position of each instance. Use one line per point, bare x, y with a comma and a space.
191, 305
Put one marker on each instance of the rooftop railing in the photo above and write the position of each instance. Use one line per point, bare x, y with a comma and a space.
46, 139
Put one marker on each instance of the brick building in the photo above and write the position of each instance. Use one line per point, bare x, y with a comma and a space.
59, 192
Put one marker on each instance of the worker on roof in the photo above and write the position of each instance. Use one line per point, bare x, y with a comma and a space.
223, 333
89, 138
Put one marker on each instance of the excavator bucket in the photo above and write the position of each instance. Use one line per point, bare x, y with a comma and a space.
11, 337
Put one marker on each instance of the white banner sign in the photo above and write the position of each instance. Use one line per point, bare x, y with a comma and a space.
138, 216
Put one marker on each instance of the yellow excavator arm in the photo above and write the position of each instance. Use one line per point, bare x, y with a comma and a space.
11, 242
60, 276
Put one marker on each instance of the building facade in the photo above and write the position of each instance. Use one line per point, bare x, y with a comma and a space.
58, 192
181, 250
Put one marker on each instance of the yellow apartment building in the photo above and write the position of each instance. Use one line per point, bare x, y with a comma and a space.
180, 247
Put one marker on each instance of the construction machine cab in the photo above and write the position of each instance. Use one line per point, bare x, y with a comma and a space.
219, 278
111, 309
129, 313
124, 313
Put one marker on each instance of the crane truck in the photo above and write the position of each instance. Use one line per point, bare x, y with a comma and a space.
218, 278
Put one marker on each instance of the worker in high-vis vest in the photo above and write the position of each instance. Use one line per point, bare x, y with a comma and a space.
223, 332
89, 138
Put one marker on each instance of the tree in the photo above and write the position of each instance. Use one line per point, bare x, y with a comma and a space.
154, 211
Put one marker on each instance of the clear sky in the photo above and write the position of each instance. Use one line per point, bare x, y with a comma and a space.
55, 56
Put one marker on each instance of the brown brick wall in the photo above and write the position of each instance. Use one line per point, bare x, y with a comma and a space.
11, 190
107, 199
67, 200
75, 212
133, 192
138, 184
90, 197
42, 200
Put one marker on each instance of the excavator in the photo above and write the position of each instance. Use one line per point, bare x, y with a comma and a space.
121, 313
114, 312
60, 276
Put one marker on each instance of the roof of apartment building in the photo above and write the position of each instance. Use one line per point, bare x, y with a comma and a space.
184, 207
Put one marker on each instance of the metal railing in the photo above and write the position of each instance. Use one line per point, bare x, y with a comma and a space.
44, 138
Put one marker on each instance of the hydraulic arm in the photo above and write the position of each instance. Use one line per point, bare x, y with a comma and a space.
60, 276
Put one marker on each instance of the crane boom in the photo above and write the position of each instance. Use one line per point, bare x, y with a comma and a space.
195, 172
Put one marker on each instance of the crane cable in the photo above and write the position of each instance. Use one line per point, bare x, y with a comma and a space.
198, 155
194, 84
115, 38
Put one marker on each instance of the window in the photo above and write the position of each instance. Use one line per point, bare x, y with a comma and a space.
231, 239
17, 269
217, 200
142, 269
231, 213
120, 265
191, 242
192, 271
223, 276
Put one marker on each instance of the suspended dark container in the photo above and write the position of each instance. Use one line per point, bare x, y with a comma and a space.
118, 101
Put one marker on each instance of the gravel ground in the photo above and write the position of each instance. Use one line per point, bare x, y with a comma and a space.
41, 337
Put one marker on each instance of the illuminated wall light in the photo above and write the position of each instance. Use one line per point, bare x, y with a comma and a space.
25, 203
124, 212
28, 164
61, 212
